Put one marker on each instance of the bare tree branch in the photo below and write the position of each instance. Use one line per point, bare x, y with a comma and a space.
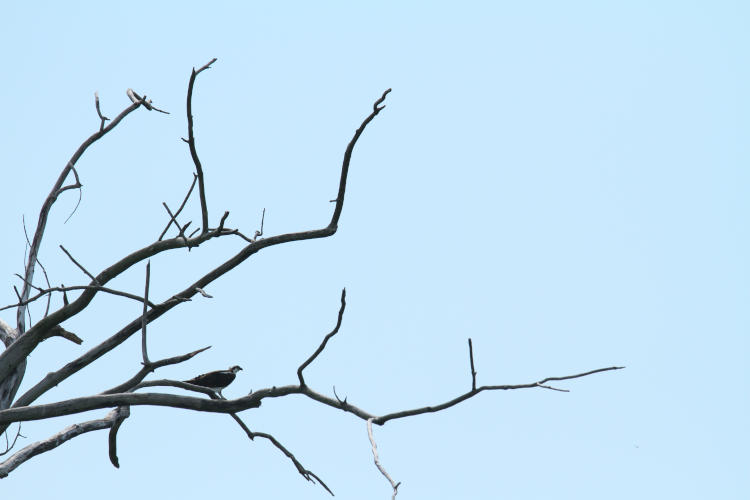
47, 205
10, 445
58, 331
12, 382
63, 289
172, 219
143, 372
93, 279
253, 400
191, 144
432, 409
99, 111
325, 340
24, 345
184, 201
376, 108
56, 440
473, 372
382, 470
144, 346
123, 412
307, 474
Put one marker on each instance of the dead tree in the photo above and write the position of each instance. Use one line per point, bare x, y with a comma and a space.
22, 340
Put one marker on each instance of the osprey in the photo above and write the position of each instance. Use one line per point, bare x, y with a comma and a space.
217, 380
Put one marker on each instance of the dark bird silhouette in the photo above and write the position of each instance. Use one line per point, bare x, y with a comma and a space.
216, 381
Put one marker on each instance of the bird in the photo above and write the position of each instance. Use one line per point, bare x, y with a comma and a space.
216, 381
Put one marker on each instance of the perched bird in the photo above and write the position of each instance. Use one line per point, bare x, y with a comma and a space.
217, 380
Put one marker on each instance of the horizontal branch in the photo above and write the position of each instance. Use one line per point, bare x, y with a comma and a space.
463, 397
45, 291
253, 400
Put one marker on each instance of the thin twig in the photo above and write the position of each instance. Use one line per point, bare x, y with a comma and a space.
144, 349
80, 193
144, 371
10, 446
184, 201
93, 279
44, 270
99, 111
394, 484
171, 220
307, 474
63, 289
325, 340
259, 233
473, 372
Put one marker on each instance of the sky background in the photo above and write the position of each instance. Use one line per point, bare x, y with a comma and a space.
564, 182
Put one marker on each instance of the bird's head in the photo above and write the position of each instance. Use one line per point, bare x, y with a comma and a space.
235, 369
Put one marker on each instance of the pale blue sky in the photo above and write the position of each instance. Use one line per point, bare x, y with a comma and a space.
564, 182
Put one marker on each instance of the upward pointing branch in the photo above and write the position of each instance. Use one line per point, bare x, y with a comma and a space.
41, 225
191, 144
376, 108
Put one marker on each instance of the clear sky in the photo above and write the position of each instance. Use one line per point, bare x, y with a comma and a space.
564, 182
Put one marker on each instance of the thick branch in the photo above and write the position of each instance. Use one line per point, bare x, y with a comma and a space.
9, 386
325, 340
52, 442
123, 412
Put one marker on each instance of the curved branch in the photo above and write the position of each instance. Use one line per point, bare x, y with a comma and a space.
23, 346
191, 144
325, 340
123, 412
376, 108
376, 459
56, 440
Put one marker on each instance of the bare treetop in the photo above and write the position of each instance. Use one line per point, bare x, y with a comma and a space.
201, 393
